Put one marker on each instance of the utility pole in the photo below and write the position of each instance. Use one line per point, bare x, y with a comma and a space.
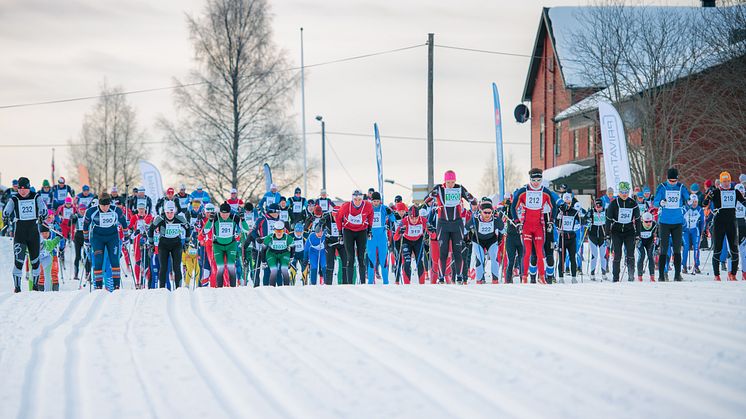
323, 150
430, 151
303, 114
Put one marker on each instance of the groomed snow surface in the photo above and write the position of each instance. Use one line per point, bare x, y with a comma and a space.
593, 350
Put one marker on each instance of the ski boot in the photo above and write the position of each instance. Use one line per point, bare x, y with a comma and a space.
17, 289
561, 280
652, 278
593, 275
533, 278
550, 279
441, 280
481, 281
98, 285
542, 279
678, 278
55, 287
524, 279
574, 280
731, 277
696, 270
717, 278
743, 275
495, 281
508, 280
639, 278
603, 274
683, 270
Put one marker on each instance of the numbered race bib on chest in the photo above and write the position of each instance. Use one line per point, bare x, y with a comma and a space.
85, 200
646, 234
377, 219
26, 209
335, 230
451, 197
486, 228
599, 219
355, 219
324, 204
625, 215
107, 219
278, 244
727, 199
192, 250
142, 201
297, 207
692, 219
414, 230
172, 231
225, 230
673, 199
568, 223
284, 216
61, 194
184, 202
141, 225
46, 199
533, 199
270, 200
740, 210
298, 245
67, 213
642, 207
79, 223
234, 207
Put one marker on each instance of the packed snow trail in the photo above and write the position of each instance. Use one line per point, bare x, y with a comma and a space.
586, 350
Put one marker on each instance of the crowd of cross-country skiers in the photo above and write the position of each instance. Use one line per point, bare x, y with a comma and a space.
534, 234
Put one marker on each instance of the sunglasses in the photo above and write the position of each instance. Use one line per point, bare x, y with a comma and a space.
536, 179
486, 212
23, 188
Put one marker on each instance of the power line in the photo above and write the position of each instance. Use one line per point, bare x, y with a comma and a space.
486, 51
178, 86
340, 162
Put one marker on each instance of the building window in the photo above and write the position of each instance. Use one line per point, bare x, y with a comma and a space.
558, 139
591, 140
575, 144
541, 137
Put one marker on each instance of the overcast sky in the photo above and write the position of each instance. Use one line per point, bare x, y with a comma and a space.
54, 49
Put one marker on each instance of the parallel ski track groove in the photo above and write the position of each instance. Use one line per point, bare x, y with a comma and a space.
144, 386
433, 360
405, 304
210, 377
32, 375
694, 400
72, 356
249, 372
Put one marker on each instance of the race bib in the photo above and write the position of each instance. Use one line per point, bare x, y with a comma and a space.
335, 230
278, 244
284, 216
61, 194
692, 219
727, 199
107, 219
533, 199
451, 197
225, 230
67, 212
142, 201
270, 199
26, 209
192, 221
414, 230
298, 245
85, 200
172, 231
599, 219
568, 222
297, 207
377, 219
141, 225
79, 224
184, 202
324, 204
192, 251
355, 219
625, 215
740, 210
642, 207
486, 228
646, 234
46, 199
673, 199
234, 207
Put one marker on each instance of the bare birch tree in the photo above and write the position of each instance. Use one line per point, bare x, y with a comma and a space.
513, 177
110, 143
234, 120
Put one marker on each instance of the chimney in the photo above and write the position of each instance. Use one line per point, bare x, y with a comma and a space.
708, 3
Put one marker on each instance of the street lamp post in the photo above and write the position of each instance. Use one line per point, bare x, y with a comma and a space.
393, 182
323, 150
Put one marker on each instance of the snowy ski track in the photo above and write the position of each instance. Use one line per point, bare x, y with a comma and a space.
628, 350
586, 350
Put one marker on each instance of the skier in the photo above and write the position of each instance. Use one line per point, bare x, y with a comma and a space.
315, 254
741, 222
723, 201
10, 192
118, 200
597, 234
46, 193
284, 212
378, 244
622, 217
141, 197
169, 197
326, 204
450, 224
64, 213
646, 246
139, 226
269, 198
78, 222
334, 245
606, 199
184, 199
201, 194
485, 231
297, 205
277, 257
234, 201
669, 197
100, 229
297, 255
48, 261
226, 229
568, 218
171, 227
513, 245
533, 198
411, 233
354, 221
85, 197
694, 223
61, 191
28, 211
